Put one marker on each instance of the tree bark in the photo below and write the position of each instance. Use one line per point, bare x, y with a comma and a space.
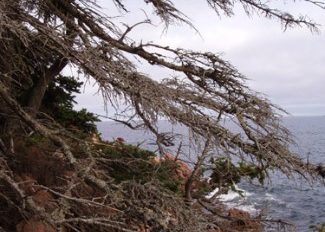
195, 172
38, 91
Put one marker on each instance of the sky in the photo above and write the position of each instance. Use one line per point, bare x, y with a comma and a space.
287, 66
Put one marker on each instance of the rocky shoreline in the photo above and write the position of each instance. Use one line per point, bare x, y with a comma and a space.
39, 178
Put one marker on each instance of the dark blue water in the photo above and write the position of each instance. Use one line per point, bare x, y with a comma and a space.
293, 200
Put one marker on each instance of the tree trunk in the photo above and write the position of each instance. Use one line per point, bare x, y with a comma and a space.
195, 172
38, 91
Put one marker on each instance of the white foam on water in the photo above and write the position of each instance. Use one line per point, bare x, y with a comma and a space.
211, 194
251, 209
247, 207
235, 200
271, 197
231, 195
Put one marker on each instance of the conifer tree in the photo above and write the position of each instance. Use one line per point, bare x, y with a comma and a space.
39, 38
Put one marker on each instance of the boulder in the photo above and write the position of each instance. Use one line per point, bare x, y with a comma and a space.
237, 213
244, 222
183, 171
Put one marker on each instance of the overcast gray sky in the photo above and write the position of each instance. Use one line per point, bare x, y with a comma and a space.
289, 67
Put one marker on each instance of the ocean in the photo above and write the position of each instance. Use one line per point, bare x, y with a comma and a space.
293, 200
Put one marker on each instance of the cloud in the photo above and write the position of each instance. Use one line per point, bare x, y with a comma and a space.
287, 66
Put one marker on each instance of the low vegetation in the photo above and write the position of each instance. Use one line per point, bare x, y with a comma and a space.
56, 174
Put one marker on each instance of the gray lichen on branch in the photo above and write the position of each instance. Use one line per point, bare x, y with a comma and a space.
40, 38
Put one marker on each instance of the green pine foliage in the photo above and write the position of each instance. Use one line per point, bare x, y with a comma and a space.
226, 173
58, 103
126, 162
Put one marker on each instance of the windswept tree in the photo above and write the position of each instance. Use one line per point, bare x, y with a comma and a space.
39, 38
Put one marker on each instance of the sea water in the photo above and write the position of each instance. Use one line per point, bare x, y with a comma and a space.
293, 200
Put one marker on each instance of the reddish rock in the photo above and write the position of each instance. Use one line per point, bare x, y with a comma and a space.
27, 183
34, 225
156, 160
45, 200
237, 213
183, 171
245, 222
68, 174
45, 169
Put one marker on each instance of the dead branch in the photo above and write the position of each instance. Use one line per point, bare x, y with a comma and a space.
33, 123
39, 38
198, 165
